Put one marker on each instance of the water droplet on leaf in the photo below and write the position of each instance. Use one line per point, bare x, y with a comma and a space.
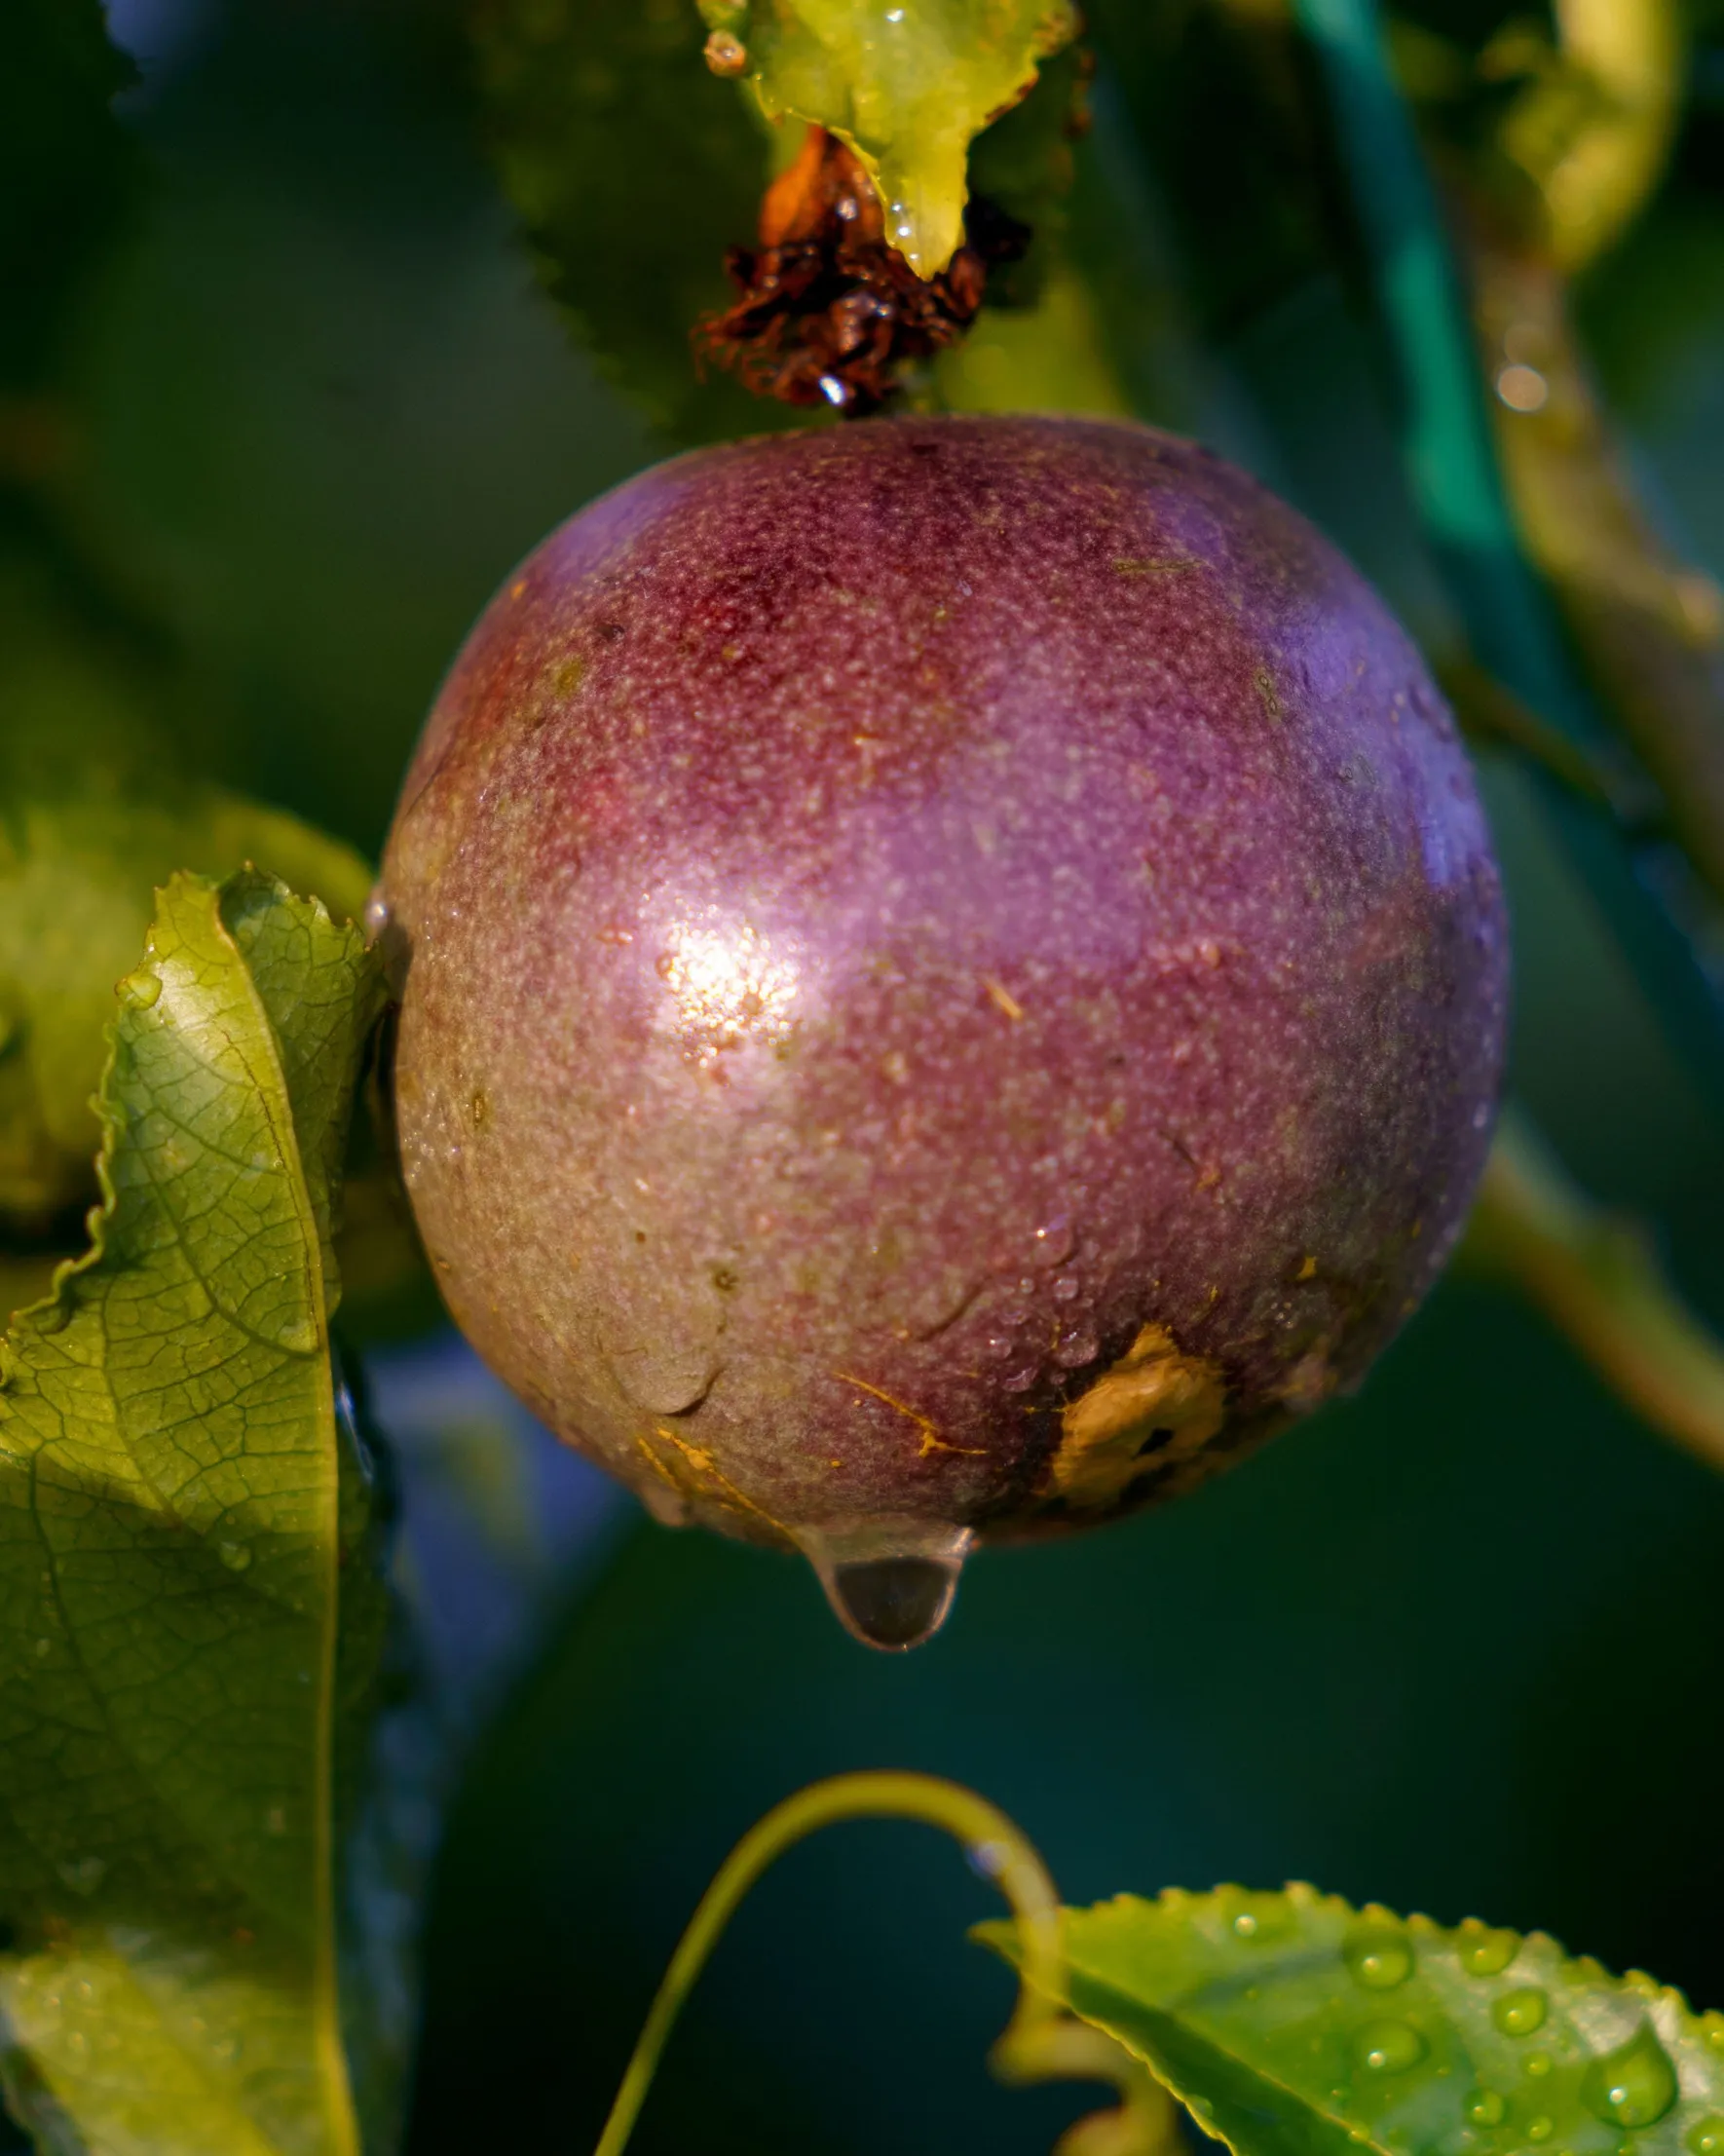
1485, 2108
1387, 2047
1379, 1955
1485, 1953
1633, 2086
1538, 2130
233, 1555
1705, 2138
1519, 2013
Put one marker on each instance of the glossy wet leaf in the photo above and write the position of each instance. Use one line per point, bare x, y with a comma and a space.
93, 815
1293, 2022
632, 169
179, 1548
908, 84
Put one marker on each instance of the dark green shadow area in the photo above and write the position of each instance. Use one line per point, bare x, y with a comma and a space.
1457, 1646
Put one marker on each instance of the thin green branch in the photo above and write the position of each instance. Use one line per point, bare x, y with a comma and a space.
1649, 896
996, 1846
1646, 627
1596, 1278
1495, 716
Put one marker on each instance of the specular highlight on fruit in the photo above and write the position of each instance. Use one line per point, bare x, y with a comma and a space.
953, 982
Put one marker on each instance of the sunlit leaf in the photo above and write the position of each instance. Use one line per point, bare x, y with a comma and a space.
180, 1545
93, 815
909, 87
1292, 2022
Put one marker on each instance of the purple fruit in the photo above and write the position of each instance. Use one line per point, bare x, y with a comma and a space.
956, 980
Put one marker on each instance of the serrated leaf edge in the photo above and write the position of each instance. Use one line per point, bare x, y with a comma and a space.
97, 1222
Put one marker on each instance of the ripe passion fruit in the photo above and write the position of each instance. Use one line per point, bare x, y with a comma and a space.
955, 981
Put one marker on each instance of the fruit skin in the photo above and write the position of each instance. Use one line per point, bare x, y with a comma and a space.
955, 973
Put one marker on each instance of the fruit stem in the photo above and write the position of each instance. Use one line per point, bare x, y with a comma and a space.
994, 1845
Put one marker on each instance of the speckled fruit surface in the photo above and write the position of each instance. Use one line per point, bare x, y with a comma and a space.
954, 977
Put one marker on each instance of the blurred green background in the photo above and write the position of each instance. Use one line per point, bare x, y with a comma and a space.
1457, 1646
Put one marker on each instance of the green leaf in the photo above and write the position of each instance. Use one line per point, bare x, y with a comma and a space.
908, 88
1292, 2024
92, 817
177, 1555
632, 169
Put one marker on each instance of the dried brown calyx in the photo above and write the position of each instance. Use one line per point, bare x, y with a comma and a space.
827, 309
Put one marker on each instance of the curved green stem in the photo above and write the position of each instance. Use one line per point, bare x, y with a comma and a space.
993, 1844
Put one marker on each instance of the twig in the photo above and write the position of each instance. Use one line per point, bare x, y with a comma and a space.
1493, 715
1646, 895
1596, 1276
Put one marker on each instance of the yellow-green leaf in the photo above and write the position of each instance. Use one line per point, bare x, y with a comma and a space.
176, 1560
1293, 2024
908, 84
92, 817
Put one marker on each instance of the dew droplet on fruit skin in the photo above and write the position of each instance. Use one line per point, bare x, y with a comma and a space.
890, 1583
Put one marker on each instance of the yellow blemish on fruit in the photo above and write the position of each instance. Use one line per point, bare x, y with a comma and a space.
1263, 682
1307, 1270
1153, 565
1106, 1431
1002, 998
705, 1480
658, 1466
931, 1440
